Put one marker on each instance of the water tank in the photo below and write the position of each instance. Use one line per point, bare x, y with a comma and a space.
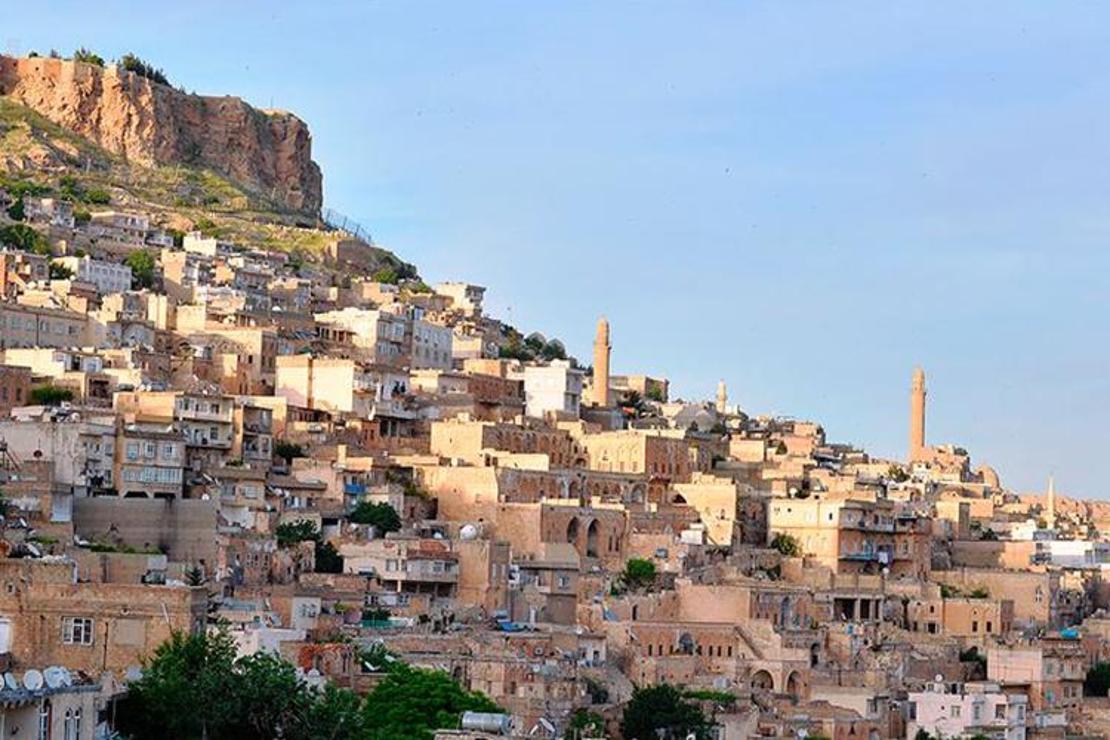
498, 724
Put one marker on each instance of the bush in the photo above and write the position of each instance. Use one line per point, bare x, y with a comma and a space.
48, 395
88, 57
787, 545
98, 196
638, 573
59, 271
133, 63
662, 711
288, 450
22, 236
142, 267
382, 517
292, 533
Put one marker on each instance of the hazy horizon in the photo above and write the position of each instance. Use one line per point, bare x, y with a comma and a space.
805, 200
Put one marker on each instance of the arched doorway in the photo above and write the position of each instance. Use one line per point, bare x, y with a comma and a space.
794, 685
591, 539
762, 681
572, 531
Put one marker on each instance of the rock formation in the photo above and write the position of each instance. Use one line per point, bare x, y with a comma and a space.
266, 152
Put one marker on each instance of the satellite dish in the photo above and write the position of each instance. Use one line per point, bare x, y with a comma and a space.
32, 680
133, 673
10, 683
938, 678
468, 532
67, 677
53, 677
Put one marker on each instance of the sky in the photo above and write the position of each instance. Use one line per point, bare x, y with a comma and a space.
804, 199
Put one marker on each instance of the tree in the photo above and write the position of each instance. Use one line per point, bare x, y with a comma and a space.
787, 544
328, 559
48, 395
661, 710
386, 275
292, 533
1097, 682
17, 211
22, 236
382, 517
412, 703
638, 573
585, 723
132, 63
88, 57
142, 267
58, 271
194, 687
288, 450
188, 689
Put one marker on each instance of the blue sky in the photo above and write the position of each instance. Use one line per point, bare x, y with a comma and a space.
805, 199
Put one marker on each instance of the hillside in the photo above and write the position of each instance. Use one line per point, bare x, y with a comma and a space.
40, 156
150, 123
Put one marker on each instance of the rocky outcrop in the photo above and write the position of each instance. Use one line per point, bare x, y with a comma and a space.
266, 152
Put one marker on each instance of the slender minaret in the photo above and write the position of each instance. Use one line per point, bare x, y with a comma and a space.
722, 397
1050, 505
601, 363
917, 414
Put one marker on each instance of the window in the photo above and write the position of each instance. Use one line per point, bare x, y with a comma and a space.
955, 710
132, 450
977, 713
974, 626
44, 721
168, 451
149, 449
1000, 711
989, 626
77, 630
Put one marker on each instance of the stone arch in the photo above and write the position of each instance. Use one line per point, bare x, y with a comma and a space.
686, 644
591, 539
762, 681
814, 654
794, 685
572, 530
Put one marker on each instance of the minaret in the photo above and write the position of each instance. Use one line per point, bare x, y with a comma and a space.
601, 363
722, 397
1050, 505
917, 414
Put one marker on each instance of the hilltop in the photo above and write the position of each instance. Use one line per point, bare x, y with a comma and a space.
59, 138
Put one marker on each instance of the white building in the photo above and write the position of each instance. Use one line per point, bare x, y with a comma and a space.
108, 277
553, 388
431, 346
963, 710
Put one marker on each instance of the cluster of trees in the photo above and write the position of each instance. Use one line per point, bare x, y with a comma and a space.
382, 517
531, 348
142, 264
195, 687
23, 237
132, 63
328, 559
395, 274
48, 395
71, 189
84, 55
663, 711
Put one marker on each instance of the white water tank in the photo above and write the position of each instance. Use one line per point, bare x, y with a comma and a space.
498, 724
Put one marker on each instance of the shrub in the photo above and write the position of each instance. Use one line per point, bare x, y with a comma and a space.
48, 395
133, 63
787, 545
292, 533
88, 57
288, 450
382, 517
638, 573
142, 267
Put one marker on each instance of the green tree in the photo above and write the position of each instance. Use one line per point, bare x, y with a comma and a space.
270, 700
638, 573
58, 271
787, 544
386, 275
48, 395
382, 517
22, 236
292, 533
288, 450
133, 63
328, 559
411, 703
188, 690
1097, 682
335, 715
585, 723
662, 708
142, 266
17, 211
88, 57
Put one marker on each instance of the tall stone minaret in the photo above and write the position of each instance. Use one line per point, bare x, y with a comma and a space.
917, 414
1050, 504
601, 363
722, 397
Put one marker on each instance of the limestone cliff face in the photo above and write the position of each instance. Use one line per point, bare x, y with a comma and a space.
268, 152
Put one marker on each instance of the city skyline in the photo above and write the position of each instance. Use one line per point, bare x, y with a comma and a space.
865, 190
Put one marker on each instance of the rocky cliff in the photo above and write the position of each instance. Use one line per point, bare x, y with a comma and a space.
268, 152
